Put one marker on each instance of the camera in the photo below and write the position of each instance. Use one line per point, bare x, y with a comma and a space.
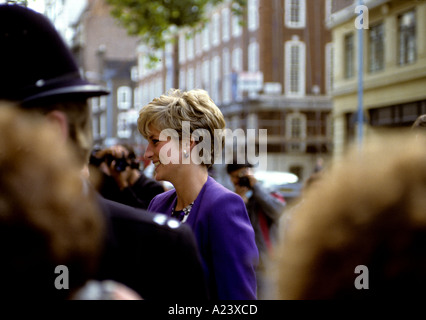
244, 182
120, 163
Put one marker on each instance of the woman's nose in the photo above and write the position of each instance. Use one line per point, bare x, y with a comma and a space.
148, 152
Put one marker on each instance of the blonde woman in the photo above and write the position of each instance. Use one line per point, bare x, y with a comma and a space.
184, 130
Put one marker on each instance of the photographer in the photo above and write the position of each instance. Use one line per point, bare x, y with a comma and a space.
115, 171
264, 210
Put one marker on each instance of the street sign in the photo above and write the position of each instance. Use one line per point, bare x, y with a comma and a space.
250, 81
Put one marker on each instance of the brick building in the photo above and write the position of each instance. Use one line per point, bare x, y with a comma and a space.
271, 72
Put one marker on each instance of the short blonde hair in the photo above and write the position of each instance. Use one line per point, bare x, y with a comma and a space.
170, 110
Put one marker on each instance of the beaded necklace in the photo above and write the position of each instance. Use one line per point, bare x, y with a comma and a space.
183, 214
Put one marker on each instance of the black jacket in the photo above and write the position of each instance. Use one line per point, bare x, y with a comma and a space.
138, 195
151, 254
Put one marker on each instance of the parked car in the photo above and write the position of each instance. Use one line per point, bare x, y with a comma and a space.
285, 183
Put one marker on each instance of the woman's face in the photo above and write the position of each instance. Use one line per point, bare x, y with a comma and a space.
165, 155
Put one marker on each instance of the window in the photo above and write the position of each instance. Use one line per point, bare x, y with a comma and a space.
253, 15
95, 127
123, 126
191, 79
95, 104
225, 24
295, 68
182, 79
134, 74
206, 37
198, 44
407, 37
215, 87
226, 84
329, 63
237, 59
237, 66
296, 131
102, 102
182, 50
295, 13
190, 47
124, 97
377, 50
236, 27
102, 125
349, 56
137, 98
253, 57
206, 75
198, 77
215, 29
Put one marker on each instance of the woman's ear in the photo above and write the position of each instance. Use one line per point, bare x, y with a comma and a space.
59, 120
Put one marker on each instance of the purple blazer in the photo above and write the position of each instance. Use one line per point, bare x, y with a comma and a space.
225, 239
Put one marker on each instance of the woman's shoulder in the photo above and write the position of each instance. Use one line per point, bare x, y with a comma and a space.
162, 199
217, 192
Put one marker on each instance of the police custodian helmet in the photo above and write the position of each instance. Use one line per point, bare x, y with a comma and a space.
35, 63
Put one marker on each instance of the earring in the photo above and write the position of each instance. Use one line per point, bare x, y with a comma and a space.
185, 154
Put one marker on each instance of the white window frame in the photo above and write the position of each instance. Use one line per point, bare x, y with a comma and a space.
253, 56
215, 29
95, 127
237, 59
237, 30
206, 75
95, 104
226, 76
301, 72
124, 97
102, 125
329, 67
182, 79
124, 128
252, 15
190, 78
216, 76
301, 145
206, 37
226, 30
182, 51
300, 21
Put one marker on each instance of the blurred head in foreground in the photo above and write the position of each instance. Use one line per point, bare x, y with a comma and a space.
45, 218
360, 232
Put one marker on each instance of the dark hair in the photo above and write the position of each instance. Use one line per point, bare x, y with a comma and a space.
420, 123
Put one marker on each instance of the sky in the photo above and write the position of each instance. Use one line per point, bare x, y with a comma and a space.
37, 5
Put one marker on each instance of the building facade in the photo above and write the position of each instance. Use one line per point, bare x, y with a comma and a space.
106, 55
269, 69
394, 66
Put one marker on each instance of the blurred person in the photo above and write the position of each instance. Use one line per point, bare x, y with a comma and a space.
419, 126
217, 216
264, 209
360, 232
117, 177
42, 228
40, 75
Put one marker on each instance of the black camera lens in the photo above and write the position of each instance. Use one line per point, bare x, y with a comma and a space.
120, 164
244, 182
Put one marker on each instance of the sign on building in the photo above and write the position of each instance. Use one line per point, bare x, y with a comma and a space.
250, 81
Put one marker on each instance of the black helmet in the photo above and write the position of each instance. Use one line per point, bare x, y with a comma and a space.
35, 62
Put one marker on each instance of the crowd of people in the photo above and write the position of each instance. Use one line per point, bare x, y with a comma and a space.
356, 232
